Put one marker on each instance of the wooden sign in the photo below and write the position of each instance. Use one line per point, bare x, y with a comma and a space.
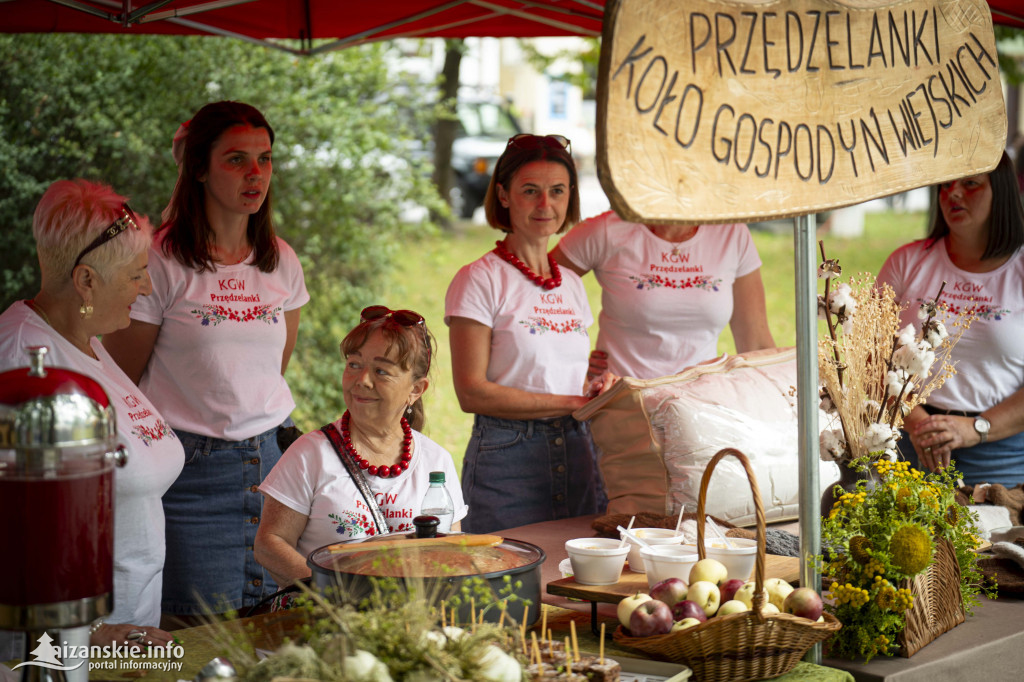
730, 111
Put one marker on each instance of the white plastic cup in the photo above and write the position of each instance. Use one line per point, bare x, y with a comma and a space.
596, 561
668, 561
652, 536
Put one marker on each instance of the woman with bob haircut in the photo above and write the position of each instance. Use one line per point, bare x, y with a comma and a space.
974, 247
211, 346
93, 251
312, 495
518, 333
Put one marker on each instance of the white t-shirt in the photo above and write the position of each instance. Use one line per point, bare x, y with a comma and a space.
155, 458
989, 357
311, 480
539, 339
216, 366
663, 304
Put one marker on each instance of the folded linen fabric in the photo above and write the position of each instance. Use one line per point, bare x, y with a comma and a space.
1008, 550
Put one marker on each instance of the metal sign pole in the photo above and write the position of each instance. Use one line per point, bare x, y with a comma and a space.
806, 269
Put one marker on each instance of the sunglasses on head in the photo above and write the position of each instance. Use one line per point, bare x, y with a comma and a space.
123, 222
528, 141
404, 318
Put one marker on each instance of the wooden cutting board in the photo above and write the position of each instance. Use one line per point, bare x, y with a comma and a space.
785, 567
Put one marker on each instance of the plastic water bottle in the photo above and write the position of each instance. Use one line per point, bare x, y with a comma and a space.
437, 502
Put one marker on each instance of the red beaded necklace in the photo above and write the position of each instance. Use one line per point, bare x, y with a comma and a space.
552, 282
384, 471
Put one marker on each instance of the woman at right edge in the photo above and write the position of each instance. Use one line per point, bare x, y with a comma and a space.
977, 416
518, 333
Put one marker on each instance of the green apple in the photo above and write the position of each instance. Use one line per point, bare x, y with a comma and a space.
706, 595
684, 623
778, 590
709, 570
732, 606
746, 594
769, 607
627, 605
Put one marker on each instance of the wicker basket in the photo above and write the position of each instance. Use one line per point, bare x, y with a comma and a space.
740, 646
938, 604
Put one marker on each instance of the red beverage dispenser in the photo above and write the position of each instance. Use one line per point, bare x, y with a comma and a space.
58, 449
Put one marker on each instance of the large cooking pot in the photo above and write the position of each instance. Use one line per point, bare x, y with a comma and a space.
444, 564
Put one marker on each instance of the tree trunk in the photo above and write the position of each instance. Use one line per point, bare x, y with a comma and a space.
445, 128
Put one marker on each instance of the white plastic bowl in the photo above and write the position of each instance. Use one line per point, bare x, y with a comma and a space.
739, 560
668, 561
652, 536
596, 561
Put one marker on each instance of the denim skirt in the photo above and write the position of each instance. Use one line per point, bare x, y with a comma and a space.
998, 461
518, 472
212, 512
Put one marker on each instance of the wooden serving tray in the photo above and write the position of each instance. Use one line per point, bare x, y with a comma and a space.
785, 567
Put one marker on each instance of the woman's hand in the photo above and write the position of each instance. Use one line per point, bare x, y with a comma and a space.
131, 636
936, 436
598, 365
601, 384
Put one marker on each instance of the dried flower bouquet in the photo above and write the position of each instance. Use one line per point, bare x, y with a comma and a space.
872, 372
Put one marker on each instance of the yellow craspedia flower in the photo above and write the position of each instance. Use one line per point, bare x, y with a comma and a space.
859, 546
910, 549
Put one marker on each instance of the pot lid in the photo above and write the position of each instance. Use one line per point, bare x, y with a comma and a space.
405, 555
49, 408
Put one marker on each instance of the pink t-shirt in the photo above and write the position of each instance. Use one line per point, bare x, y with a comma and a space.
216, 366
539, 339
310, 479
663, 304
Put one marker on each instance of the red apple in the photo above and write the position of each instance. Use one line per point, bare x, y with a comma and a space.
688, 609
627, 605
729, 588
803, 602
650, 618
669, 590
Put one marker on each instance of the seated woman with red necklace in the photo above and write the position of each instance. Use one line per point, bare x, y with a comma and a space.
518, 332
311, 497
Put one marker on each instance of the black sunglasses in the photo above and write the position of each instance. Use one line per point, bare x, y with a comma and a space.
405, 318
528, 141
127, 219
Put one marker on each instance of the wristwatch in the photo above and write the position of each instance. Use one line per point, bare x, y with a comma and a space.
981, 427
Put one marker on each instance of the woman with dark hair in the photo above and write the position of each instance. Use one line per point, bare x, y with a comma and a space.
518, 332
210, 347
312, 497
977, 417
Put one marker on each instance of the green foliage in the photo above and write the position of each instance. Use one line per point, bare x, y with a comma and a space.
345, 157
880, 538
587, 57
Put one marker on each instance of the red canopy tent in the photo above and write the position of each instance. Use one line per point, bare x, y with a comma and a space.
343, 22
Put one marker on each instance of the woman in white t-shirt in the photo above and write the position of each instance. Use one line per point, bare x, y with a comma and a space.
210, 347
976, 418
92, 253
518, 332
312, 498
667, 291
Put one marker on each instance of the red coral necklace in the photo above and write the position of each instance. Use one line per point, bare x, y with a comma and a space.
384, 471
552, 282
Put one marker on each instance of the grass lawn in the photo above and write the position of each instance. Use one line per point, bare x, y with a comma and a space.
421, 281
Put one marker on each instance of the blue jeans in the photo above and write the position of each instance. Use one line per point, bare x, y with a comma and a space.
520, 472
998, 461
212, 512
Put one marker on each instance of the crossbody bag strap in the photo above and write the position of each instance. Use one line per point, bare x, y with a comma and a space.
357, 476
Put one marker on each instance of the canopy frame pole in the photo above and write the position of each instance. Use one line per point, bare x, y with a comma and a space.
805, 266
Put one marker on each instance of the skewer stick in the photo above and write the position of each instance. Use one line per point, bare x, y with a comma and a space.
543, 620
568, 656
501, 618
535, 648
551, 644
472, 613
575, 643
602, 644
